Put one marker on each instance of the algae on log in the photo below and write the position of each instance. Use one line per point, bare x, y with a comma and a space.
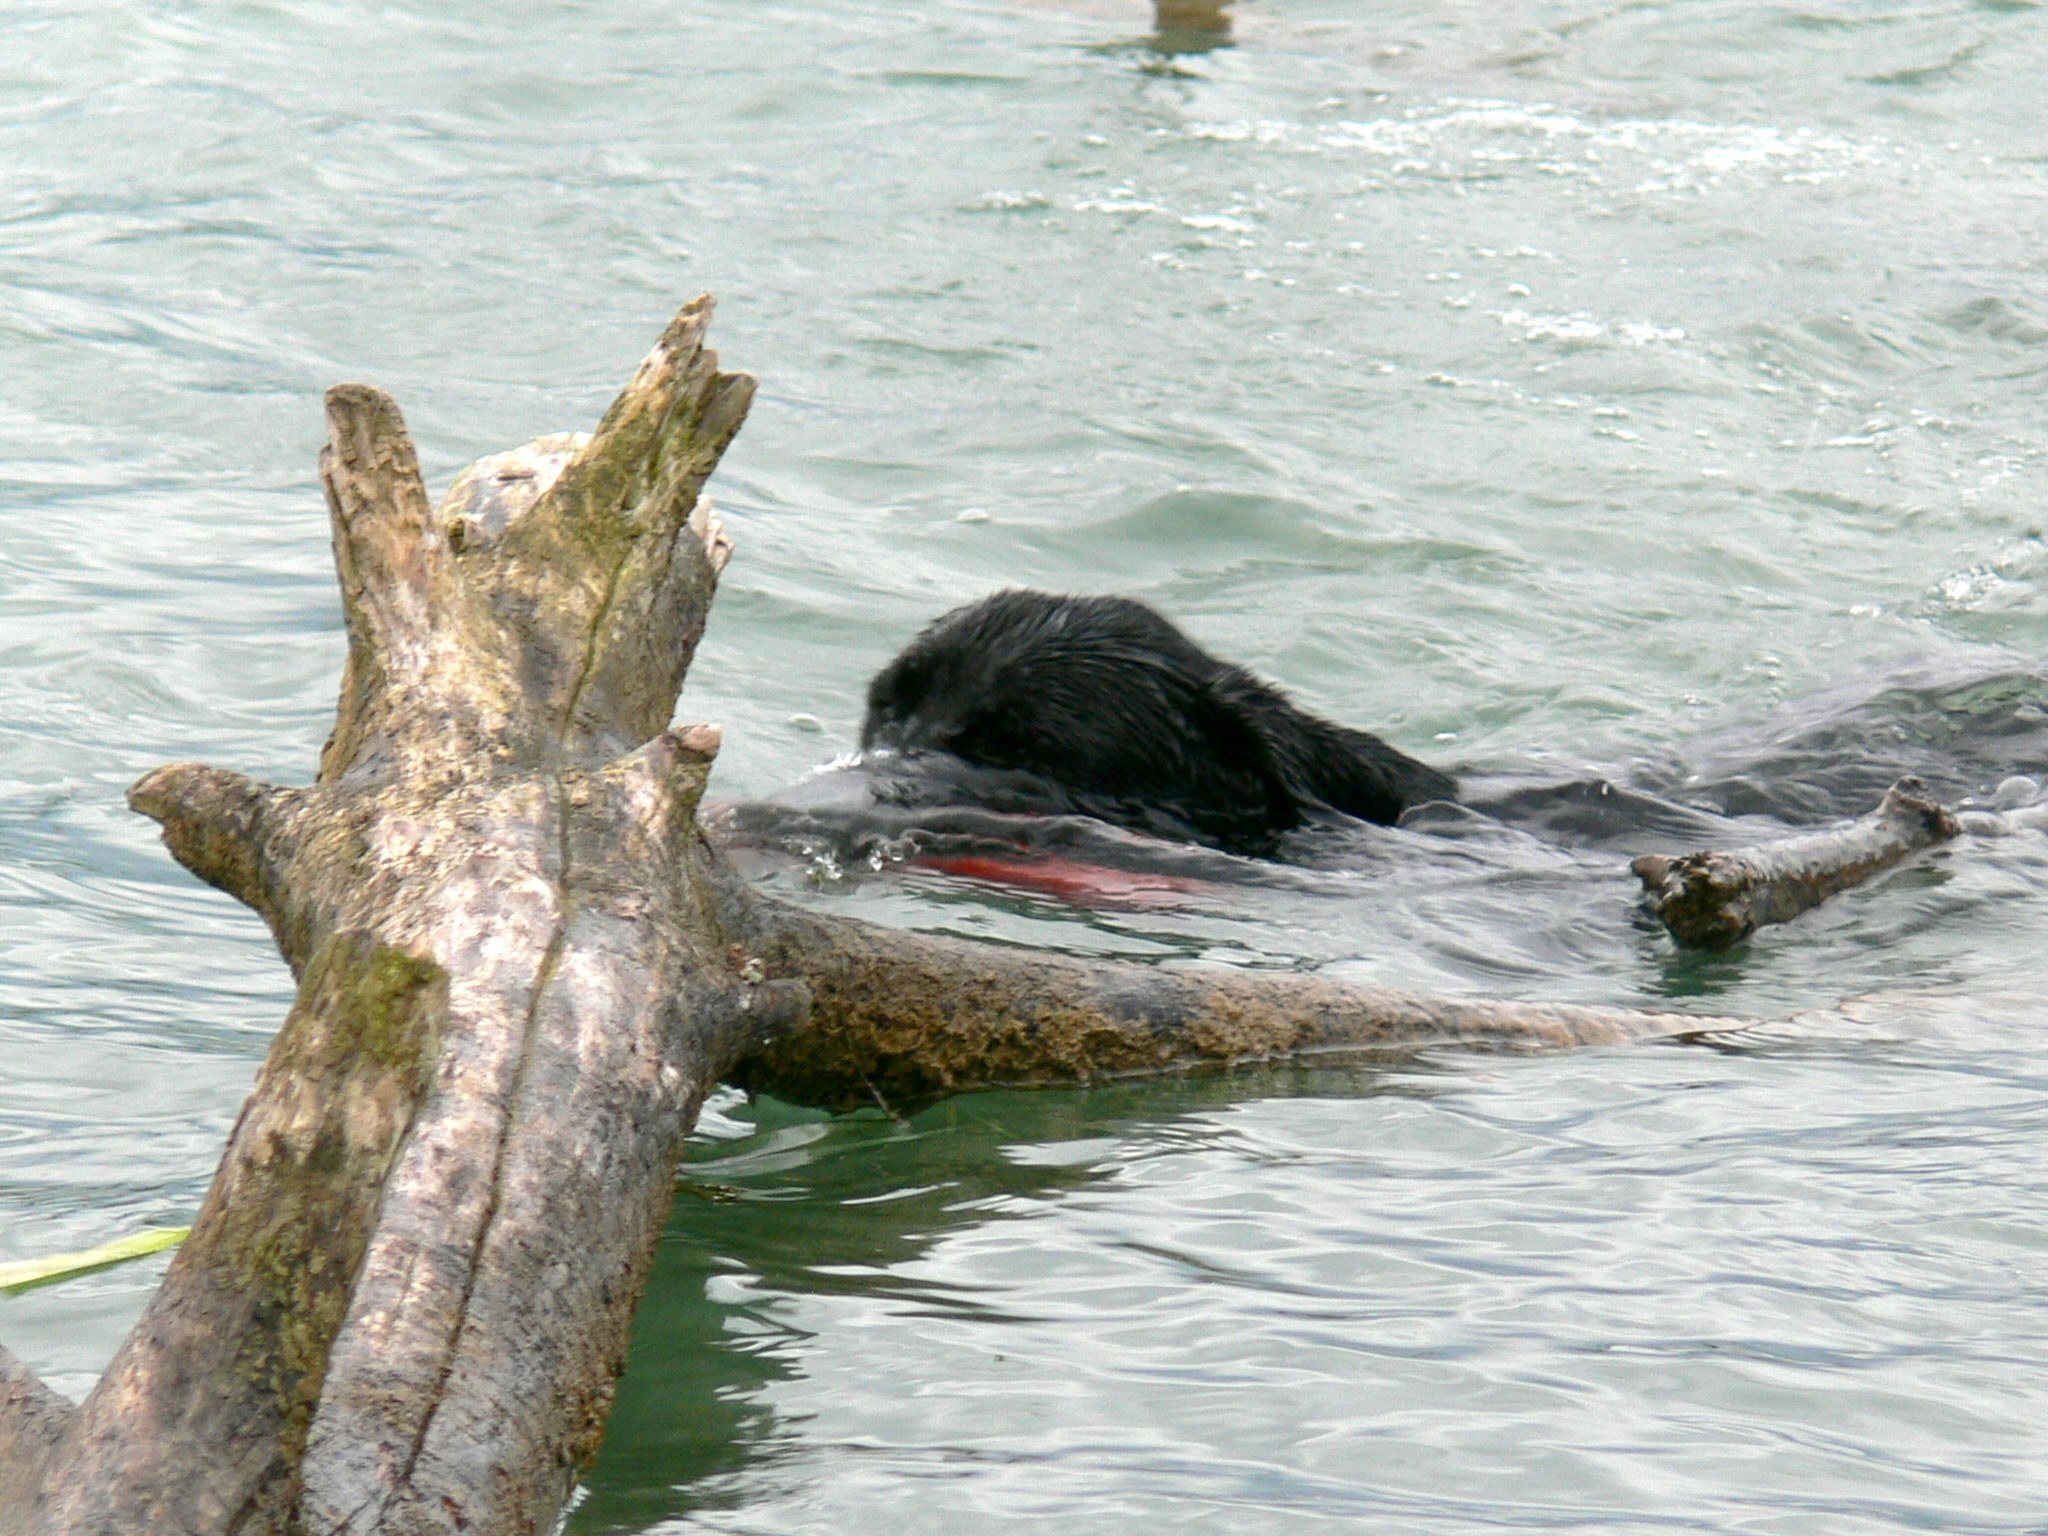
900, 1019
200, 1420
405, 1303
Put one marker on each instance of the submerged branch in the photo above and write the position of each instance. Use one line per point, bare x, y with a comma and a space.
1713, 899
901, 1018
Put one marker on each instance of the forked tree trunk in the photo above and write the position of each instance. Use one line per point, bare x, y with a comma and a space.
404, 1305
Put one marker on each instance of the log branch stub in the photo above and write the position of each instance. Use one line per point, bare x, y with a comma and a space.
624, 550
663, 782
198, 1424
1714, 899
218, 824
384, 558
378, 501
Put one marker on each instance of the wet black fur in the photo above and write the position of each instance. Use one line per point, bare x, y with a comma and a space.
1132, 721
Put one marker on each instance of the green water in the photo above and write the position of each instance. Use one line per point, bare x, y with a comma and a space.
1649, 389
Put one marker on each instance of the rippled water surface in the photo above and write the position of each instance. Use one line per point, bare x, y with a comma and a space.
1650, 391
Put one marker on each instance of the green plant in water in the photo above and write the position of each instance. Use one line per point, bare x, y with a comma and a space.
30, 1273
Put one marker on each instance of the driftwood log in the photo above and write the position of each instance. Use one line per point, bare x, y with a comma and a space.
521, 966
1715, 898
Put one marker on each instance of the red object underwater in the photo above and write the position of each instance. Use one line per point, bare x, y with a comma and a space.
1082, 884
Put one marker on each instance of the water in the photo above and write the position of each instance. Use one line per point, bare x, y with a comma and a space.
1651, 391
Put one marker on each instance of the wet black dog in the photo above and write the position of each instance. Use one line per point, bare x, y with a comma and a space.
1057, 725
1098, 705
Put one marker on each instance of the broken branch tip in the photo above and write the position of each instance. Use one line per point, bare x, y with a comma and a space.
162, 792
696, 741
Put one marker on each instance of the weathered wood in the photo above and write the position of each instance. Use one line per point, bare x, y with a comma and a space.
1711, 899
472, 1379
500, 816
32, 1421
901, 1018
199, 1422
496, 810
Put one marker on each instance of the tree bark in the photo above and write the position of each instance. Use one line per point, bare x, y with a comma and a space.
901, 1019
32, 1420
404, 1304
200, 1421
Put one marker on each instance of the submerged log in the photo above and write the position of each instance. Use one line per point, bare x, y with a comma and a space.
901, 1019
522, 966
1710, 900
